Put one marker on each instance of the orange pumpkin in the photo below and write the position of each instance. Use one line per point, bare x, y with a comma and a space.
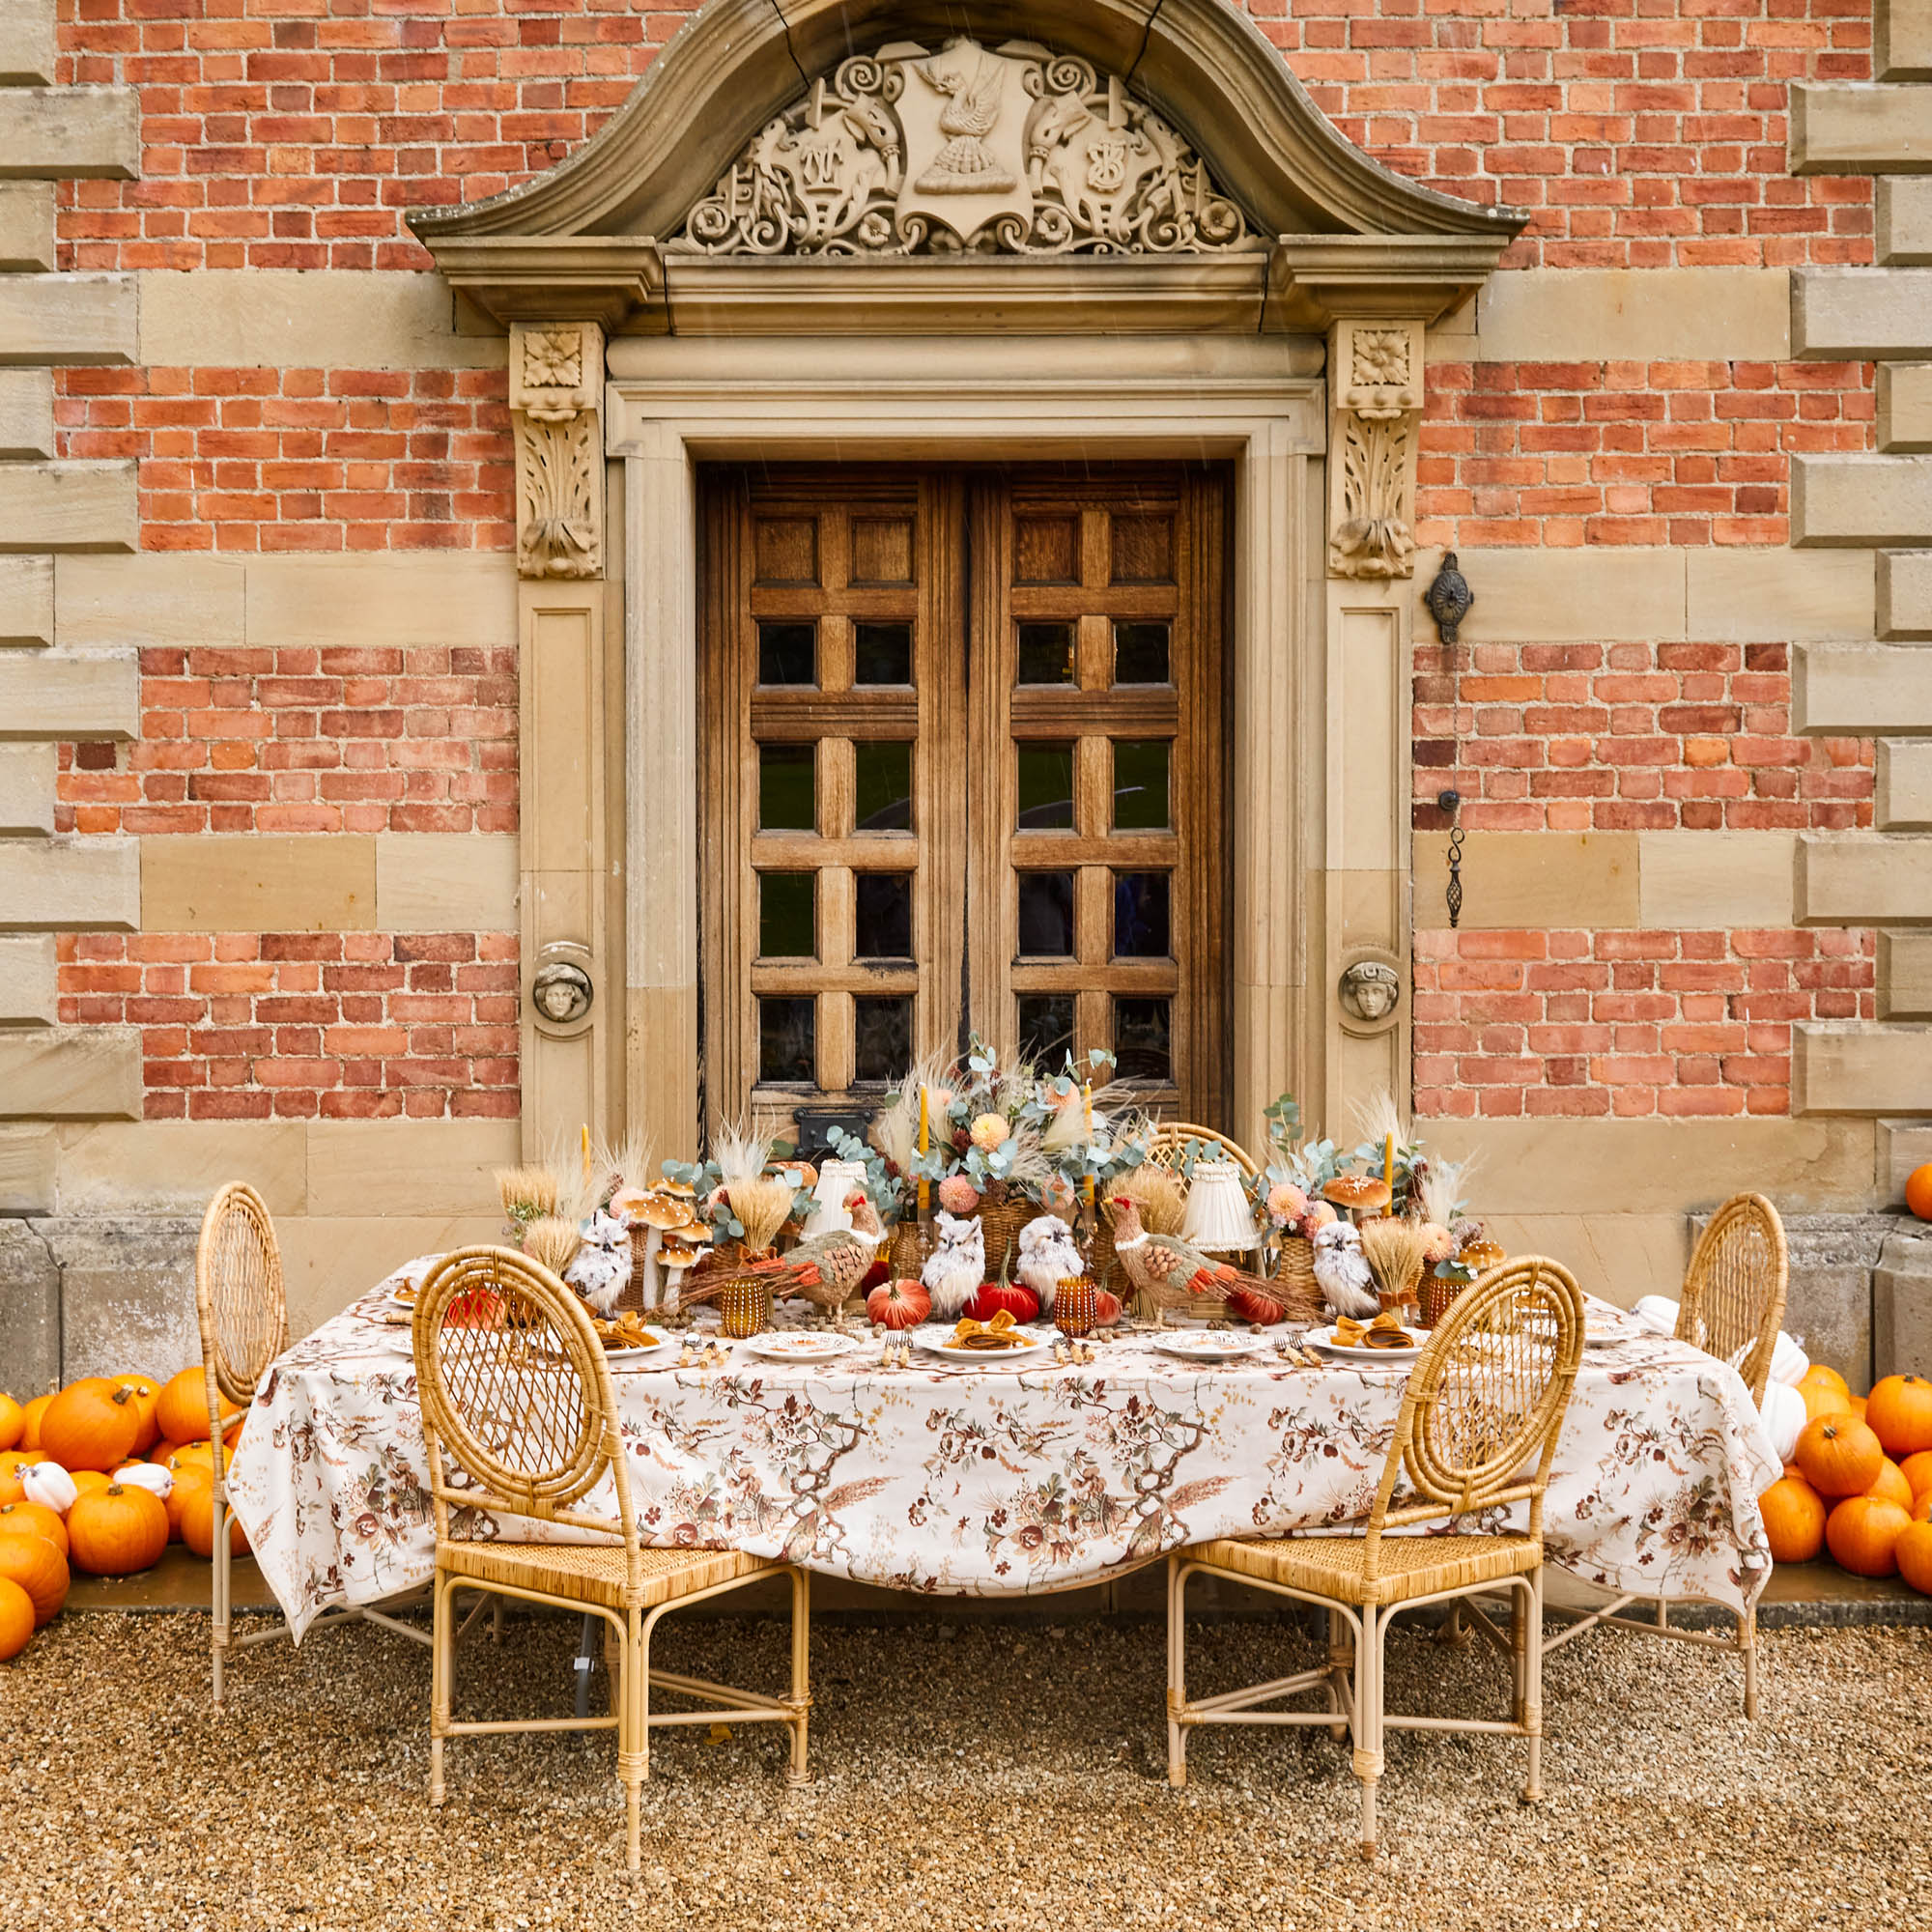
1913, 1554
12, 1462
183, 1408
1889, 1484
85, 1480
1794, 1520
197, 1524
1862, 1533
90, 1424
146, 1395
1858, 1403
16, 1619
1918, 1191
39, 1568
1917, 1469
187, 1483
1921, 1509
1822, 1398
30, 1420
162, 1450
1839, 1455
195, 1456
117, 1530
13, 1420
1901, 1414
35, 1517
1822, 1375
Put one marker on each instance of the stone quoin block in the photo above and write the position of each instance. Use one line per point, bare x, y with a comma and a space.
1862, 879
71, 1073
1905, 406
59, 132
28, 995
26, 789
63, 695
59, 506
66, 318
1860, 690
1870, 500
1902, 220
1856, 127
1848, 314
69, 885
1904, 786
1905, 977
1848, 1066
26, 226
26, 600
26, 413
1904, 586
1902, 39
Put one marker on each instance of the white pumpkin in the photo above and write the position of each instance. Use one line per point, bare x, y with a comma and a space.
150, 1476
1658, 1313
1784, 1415
1788, 1361
50, 1486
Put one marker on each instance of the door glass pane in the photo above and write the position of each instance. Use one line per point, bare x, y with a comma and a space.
1046, 915
788, 1039
882, 653
881, 1038
1140, 1038
1140, 653
1047, 654
787, 922
1046, 1027
788, 784
1140, 785
787, 653
1047, 787
883, 916
883, 787
1143, 923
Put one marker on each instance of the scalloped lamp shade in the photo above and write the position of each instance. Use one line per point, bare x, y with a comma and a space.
1219, 1217
837, 1179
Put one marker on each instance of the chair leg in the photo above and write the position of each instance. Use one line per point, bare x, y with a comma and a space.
799, 1699
1177, 1671
1520, 1638
1369, 1717
219, 1599
1748, 1643
633, 1759
442, 1657
1341, 1666
1531, 1718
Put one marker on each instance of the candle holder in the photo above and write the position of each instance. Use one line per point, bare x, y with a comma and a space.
1075, 1306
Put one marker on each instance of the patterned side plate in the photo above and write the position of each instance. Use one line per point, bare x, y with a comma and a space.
798, 1346
1206, 1344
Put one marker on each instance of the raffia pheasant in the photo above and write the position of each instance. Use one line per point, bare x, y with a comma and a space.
827, 1268
1171, 1274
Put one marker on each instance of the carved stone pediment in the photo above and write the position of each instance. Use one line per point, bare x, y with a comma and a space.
1010, 150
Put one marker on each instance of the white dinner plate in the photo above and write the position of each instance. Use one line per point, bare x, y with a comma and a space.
799, 1344
638, 1353
935, 1340
1208, 1345
1324, 1340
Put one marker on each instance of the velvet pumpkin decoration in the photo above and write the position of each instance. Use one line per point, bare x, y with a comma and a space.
91, 1424
1862, 1534
1839, 1455
898, 1304
117, 1531
37, 1566
1900, 1413
1794, 1520
1015, 1297
1254, 1304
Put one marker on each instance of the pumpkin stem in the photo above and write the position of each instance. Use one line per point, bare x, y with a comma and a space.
121, 1394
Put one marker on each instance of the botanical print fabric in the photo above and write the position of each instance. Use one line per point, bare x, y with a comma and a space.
995, 1481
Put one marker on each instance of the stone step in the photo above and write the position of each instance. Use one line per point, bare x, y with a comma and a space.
1864, 879
1903, 606
26, 226
1866, 501
71, 1073
1840, 315
1860, 690
59, 133
1902, 39
1860, 1067
66, 318
1860, 128
69, 885
1905, 976
61, 695
63, 506
1904, 407
28, 974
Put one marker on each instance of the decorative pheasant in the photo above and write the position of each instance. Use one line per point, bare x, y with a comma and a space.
829, 1267
1166, 1270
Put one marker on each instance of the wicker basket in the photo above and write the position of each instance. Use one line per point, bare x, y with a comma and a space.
1102, 1264
1000, 1223
1295, 1268
906, 1252
1434, 1296
633, 1296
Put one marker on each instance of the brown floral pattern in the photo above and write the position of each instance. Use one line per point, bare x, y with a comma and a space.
1002, 1481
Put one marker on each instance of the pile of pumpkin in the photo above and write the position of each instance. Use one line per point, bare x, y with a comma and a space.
1860, 1481
99, 1477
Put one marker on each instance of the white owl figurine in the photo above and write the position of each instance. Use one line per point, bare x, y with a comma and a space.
602, 1266
954, 1270
1342, 1273
1048, 1256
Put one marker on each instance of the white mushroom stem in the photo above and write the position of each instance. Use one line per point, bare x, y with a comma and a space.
674, 1281
653, 1240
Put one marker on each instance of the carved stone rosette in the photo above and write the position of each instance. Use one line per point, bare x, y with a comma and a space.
1376, 395
557, 393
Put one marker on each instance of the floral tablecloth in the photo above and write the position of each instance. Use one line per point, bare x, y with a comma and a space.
1002, 1481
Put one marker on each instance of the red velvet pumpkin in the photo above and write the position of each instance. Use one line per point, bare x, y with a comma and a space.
898, 1304
1251, 1304
1015, 1296
1107, 1308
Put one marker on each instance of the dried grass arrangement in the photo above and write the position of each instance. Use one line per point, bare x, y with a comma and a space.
527, 1193
761, 1203
1394, 1250
551, 1242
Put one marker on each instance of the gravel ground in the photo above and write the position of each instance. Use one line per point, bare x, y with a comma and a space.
964, 1776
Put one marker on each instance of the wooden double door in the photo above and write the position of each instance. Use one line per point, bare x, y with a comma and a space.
963, 744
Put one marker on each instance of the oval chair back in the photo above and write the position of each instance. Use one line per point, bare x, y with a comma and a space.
516, 1392
1167, 1143
1734, 1290
1486, 1401
238, 1300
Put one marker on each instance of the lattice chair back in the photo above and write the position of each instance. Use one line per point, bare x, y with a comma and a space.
516, 1391
237, 1297
1167, 1146
1486, 1401
1734, 1288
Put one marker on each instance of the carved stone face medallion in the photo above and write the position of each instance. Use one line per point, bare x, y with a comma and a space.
1369, 990
561, 993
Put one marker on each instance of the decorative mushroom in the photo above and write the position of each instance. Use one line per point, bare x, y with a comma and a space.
659, 1210
681, 1248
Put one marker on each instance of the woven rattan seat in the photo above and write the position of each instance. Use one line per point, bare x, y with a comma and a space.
1409, 1565
595, 1572
1477, 1433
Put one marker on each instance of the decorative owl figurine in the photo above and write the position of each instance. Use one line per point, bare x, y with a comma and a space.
602, 1266
1048, 1256
955, 1269
1449, 598
1342, 1273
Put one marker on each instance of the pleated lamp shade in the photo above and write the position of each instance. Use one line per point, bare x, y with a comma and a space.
1220, 1218
837, 1179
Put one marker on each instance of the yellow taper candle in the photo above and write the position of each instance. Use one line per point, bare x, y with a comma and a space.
1086, 1100
925, 1141
1388, 1169
587, 1153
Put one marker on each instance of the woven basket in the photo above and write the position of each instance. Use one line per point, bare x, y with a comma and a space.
999, 1225
1434, 1297
1102, 1264
633, 1296
910, 1244
1295, 1268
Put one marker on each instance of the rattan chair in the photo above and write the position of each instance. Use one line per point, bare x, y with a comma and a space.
245, 1326
516, 1392
1732, 1307
1477, 1429
1168, 1141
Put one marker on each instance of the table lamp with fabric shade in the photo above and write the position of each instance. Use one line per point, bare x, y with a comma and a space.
837, 1179
1220, 1219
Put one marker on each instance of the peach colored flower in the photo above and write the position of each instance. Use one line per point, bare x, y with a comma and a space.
957, 1195
1285, 1202
990, 1132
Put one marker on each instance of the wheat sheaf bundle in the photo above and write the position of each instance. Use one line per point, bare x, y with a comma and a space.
551, 1242
527, 1193
1158, 1192
761, 1202
1394, 1250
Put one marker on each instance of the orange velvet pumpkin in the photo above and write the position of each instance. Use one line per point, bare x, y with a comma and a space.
12, 1421
197, 1524
1901, 1414
1794, 1520
1918, 1191
182, 1411
16, 1619
1862, 1533
1822, 1398
146, 1394
39, 1568
1839, 1455
35, 1517
1889, 1484
91, 1424
117, 1530
30, 1420
1913, 1554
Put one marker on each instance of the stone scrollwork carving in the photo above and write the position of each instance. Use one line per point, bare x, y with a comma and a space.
556, 382
1376, 395
1009, 150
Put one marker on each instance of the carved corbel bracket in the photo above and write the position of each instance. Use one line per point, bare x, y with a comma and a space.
1376, 396
557, 397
